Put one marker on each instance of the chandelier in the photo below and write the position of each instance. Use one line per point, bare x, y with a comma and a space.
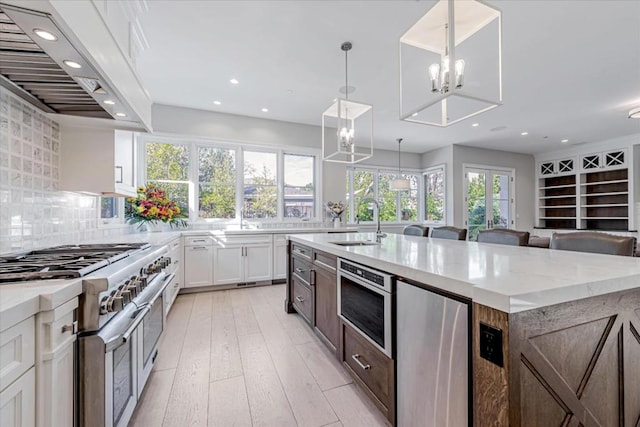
451, 63
340, 141
400, 183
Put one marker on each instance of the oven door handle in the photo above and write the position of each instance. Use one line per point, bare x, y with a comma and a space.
164, 285
360, 282
113, 344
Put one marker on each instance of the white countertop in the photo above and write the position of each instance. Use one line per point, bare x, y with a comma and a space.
508, 278
22, 300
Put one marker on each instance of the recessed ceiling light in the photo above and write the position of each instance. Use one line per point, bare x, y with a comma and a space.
635, 113
564, 141
121, 115
524, 133
265, 110
217, 102
46, 35
475, 125
234, 81
72, 64
290, 91
108, 102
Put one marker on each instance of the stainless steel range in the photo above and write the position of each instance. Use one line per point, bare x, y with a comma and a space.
120, 318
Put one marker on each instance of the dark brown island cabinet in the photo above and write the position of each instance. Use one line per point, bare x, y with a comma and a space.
571, 364
312, 292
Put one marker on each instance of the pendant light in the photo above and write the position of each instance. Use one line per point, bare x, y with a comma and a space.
347, 125
399, 184
451, 63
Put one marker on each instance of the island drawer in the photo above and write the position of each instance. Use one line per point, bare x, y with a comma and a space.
198, 241
371, 366
302, 299
301, 251
302, 269
325, 260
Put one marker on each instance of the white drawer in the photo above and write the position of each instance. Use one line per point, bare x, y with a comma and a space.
56, 327
17, 351
174, 245
18, 402
198, 241
246, 239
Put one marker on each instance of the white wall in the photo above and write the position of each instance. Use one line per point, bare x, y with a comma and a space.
525, 180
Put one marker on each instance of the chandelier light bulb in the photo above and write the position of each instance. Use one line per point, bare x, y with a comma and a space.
346, 136
459, 73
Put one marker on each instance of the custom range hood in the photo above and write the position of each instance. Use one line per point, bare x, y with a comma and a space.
39, 64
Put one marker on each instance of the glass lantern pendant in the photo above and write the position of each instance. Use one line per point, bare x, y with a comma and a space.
347, 127
451, 63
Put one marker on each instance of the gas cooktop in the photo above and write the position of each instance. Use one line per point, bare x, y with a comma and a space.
63, 262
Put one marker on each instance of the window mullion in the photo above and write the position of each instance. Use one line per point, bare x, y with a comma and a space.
239, 181
280, 186
194, 185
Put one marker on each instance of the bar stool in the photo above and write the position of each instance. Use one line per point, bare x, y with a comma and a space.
416, 230
451, 233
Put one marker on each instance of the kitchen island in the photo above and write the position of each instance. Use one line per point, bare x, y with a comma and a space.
559, 330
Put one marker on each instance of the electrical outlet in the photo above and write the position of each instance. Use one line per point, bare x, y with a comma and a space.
491, 344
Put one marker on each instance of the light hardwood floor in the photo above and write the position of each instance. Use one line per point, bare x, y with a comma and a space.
235, 358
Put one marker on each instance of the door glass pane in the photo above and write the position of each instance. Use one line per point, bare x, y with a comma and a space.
387, 198
500, 202
260, 191
409, 199
434, 195
476, 203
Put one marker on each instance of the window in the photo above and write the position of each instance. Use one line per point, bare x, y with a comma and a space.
111, 210
260, 193
216, 182
434, 195
299, 189
168, 168
395, 206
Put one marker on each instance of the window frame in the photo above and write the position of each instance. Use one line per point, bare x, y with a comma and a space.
442, 167
376, 171
239, 148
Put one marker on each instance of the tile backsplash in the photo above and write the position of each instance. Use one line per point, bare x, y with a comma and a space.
33, 212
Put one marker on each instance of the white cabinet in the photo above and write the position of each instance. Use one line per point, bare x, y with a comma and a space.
279, 256
610, 159
198, 262
17, 351
98, 161
171, 292
17, 402
557, 167
55, 337
243, 259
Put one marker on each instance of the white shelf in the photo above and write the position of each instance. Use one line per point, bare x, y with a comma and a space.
558, 217
615, 193
557, 186
558, 197
617, 181
610, 205
622, 218
559, 207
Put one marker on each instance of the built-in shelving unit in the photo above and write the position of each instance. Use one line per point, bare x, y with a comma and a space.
591, 191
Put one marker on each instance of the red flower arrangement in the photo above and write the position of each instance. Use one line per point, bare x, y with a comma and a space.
153, 205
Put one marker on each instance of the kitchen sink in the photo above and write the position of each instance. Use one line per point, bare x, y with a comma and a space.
355, 243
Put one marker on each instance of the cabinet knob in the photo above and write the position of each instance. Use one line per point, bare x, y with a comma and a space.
299, 299
73, 328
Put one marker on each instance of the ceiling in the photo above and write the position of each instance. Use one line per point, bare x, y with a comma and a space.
571, 69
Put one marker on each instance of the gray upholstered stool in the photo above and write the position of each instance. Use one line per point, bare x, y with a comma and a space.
451, 233
504, 237
416, 230
590, 241
539, 242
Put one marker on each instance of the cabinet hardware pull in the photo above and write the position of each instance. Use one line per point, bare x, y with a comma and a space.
199, 240
357, 357
176, 262
197, 248
312, 277
121, 180
299, 299
73, 328
299, 270
300, 251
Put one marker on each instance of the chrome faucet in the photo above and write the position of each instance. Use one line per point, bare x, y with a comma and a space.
241, 218
379, 233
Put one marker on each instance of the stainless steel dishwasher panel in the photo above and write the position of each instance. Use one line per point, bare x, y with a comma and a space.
432, 359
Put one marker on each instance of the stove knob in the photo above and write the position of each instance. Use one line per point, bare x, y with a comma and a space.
126, 297
143, 282
131, 287
104, 303
117, 304
166, 262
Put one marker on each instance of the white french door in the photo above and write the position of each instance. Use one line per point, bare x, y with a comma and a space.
488, 199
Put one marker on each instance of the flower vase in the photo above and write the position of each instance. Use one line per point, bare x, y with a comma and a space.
154, 226
337, 223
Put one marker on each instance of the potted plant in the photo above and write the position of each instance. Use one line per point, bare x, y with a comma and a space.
154, 209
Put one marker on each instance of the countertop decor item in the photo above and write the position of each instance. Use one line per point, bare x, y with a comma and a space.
341, 142
335, 211
154, 209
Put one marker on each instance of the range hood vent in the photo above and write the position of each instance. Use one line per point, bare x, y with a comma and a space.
51, 73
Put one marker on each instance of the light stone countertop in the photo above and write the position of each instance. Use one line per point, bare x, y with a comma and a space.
508, 278
24, 299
